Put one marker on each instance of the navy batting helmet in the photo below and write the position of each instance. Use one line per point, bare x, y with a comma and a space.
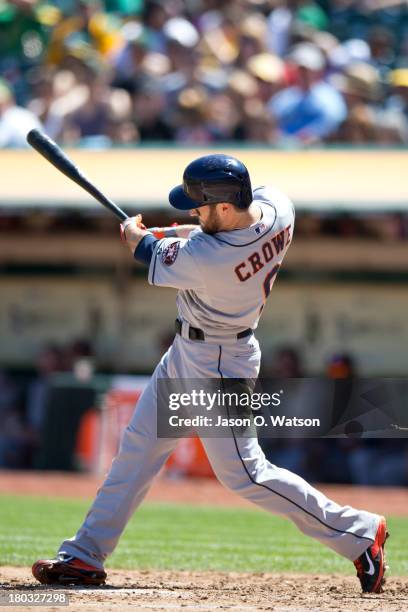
213, 179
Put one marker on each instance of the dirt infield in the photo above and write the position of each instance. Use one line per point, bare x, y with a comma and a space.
166, 590
170, 590
388, 501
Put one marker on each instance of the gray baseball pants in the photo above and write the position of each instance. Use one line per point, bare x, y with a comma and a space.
239, 464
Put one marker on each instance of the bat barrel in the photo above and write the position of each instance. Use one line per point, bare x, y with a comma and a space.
52, 152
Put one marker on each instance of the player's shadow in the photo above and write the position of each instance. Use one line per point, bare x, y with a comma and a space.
29, 587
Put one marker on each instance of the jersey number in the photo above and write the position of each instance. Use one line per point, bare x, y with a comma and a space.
269, 280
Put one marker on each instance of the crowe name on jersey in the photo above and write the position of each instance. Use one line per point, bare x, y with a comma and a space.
267, 251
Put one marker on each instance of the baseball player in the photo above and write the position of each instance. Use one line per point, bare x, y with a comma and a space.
224, 270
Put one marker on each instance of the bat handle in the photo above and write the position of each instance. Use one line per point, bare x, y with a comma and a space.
105, 201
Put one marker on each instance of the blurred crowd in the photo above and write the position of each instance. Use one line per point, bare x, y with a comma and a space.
24, 400
347, 460
24, 405
281, 72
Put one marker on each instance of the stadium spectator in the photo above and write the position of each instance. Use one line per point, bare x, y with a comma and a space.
44, 104
12, 434
341, 366
286, 362
149, 114
390, 455
89, 32
270, 74
311, 109
79, 358
275, 72
48, 362
128, 64
398, 100
290, 453
91, 119
15, 121
25, 27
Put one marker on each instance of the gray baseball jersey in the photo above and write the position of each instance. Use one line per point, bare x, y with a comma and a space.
225, 278
223, 281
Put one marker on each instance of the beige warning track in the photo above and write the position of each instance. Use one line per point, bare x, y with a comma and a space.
208, 491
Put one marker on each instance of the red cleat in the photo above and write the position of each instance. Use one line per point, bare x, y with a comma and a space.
371, 564
67, 570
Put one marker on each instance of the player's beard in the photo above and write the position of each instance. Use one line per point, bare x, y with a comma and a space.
212, 225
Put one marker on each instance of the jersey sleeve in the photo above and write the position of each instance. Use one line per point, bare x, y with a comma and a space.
274, 197
174, 265
196, 231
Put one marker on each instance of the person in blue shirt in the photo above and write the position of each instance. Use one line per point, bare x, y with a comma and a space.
312, 109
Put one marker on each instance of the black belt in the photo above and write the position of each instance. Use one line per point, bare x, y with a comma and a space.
195, 333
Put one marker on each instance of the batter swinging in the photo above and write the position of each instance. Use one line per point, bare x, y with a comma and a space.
224, 270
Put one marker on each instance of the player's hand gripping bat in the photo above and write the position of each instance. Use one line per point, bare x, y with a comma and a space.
51, 151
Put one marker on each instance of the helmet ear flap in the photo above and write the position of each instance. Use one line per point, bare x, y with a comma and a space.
245, 196
240, 202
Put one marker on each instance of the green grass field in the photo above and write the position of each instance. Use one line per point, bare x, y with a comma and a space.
181, 537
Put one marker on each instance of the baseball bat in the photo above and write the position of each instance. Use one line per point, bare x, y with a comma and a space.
52, 152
